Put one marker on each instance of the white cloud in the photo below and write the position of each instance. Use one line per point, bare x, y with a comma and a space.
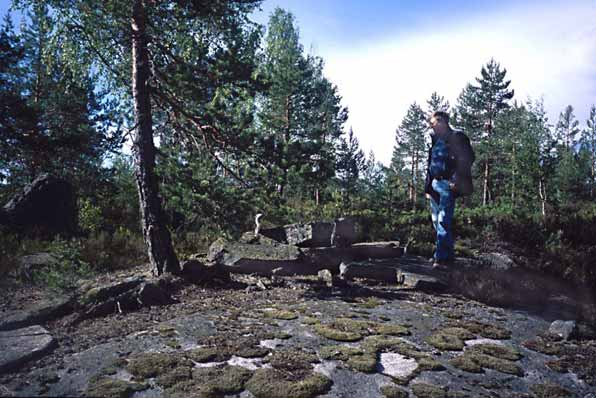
548, 51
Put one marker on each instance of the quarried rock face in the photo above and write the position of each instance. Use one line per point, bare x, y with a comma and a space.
22, 345
46, 207
332, 257
341, 233
260, 259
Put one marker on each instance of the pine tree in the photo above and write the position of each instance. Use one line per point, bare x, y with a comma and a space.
589, 144
17, 119
567, 128
478, 108
436, 103
351, 164
568, 177
116, 36
409, 149
69, 129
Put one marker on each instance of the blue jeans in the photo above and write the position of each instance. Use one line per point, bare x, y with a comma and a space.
442, 217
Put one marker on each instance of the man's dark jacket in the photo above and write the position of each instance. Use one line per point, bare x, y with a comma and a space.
459, 165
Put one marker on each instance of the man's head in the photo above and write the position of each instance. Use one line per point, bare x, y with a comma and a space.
439, 122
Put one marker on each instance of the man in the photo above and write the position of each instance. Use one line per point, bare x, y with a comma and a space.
448, 176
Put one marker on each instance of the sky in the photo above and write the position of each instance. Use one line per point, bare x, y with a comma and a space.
383, 55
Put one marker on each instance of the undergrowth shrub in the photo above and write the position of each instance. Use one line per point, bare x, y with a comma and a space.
66, 270
114, 251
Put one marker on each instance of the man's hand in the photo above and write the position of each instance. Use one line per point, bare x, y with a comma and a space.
452, 187
427, 195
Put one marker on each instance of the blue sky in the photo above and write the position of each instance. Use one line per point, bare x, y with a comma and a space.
383, 55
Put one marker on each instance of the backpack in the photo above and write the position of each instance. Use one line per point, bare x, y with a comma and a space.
463, 156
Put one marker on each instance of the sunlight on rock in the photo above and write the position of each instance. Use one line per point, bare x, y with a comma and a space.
271, 344
247, 363
325, 368
474, 342
396, 365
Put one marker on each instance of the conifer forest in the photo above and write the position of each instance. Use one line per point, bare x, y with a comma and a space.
177, 122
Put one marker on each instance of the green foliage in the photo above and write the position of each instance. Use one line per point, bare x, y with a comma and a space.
68, 268
107, 252
90, 218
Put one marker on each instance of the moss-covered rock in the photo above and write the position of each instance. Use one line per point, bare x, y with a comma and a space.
370, 302
550, 391
112, 388
474, 362
467, 364
498, 351
220, 348
450, 338
208, 354
152, 364
293, 361
337, 334
252, 352
339, 352
390, 329
486, 330
281, 314
390, 391
174, 344
344, 329
423, 390
445, 341
210, 382
544, 346
365, 363
174, 376
226, 380
273, 383
558, 365
354, 357
309, 320
430, 364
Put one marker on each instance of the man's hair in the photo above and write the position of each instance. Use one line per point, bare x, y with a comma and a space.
444, 116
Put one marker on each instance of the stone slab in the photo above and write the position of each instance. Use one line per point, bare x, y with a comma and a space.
20, 346
44, 311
